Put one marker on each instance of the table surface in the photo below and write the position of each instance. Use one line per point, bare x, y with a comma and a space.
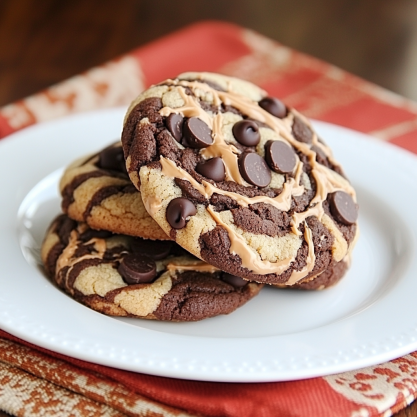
42, 43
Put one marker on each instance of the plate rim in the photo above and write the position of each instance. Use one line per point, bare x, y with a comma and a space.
242, 372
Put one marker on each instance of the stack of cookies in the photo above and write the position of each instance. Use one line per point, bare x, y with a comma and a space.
214, 190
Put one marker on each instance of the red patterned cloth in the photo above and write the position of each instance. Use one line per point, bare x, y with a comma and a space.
321, 91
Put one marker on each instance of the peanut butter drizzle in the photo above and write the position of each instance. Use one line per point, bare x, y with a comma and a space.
311, 259
66, 257
190, 109
297, 218
281, 202
228, 153
152, 204
68, 252
297, 189
219, 147
199, 266
327, 181
249, 257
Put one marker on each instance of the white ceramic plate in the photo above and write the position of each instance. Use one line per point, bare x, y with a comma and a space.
368, 318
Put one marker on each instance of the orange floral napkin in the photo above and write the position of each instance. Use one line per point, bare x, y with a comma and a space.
34, 381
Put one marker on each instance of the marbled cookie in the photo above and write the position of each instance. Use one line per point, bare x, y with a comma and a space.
121, 275
97, 190
240, 180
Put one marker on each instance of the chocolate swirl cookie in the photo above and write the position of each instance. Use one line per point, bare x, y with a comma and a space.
97, 190
240, 180
121, 275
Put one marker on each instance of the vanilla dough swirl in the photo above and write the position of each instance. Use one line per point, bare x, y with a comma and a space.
240, 180
120, 275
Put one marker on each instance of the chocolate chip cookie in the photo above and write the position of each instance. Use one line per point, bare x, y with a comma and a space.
121, 275
97, 190
240, 180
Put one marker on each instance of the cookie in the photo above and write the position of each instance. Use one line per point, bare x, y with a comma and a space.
97, 190
239, 179
121, 275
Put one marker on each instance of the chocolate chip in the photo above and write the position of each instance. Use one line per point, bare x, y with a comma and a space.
174, 124
343, 208
301, 131
246, 132
254, 169
234, 280
212, 168
137, 269
196, 134
112, 158
178, 210
156, 249
280, 156
274, 106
